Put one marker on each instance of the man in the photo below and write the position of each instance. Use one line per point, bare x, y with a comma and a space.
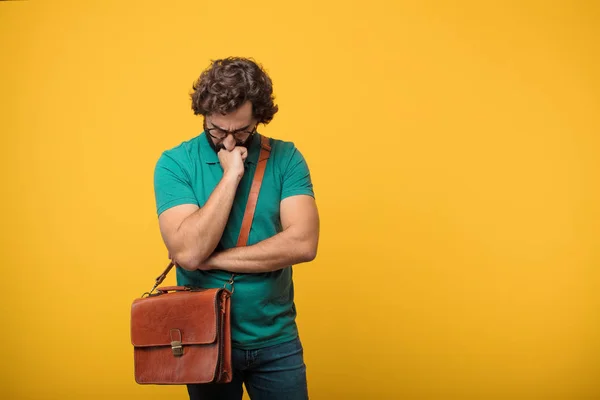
201, 188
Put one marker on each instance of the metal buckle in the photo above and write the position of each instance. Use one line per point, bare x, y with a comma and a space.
176, 345
230, 283
177, 348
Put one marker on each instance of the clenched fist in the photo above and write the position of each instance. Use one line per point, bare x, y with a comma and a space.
232, 161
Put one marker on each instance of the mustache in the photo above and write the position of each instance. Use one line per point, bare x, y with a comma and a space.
246, 144
219, 147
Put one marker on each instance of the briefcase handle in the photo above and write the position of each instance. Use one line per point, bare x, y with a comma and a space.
166, 289
265, 151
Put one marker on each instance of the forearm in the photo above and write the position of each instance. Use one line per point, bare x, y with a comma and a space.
284, 249
199, 233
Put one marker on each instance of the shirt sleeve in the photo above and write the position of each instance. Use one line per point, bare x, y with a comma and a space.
172, 185
296, 177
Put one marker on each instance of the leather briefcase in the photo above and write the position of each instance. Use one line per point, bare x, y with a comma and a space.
182, 335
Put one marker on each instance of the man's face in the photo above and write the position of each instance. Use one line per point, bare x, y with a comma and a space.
232, 129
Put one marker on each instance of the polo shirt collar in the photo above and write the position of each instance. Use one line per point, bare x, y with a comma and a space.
210, 157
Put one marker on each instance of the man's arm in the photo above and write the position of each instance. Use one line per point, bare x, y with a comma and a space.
191, 233
297, 243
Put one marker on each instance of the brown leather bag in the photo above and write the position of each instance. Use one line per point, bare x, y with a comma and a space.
182, 335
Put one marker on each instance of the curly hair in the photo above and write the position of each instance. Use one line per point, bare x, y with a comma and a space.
228, 83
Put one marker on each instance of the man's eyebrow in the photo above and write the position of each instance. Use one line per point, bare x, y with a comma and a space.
225, 130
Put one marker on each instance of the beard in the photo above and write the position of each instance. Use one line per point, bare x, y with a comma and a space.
218, 147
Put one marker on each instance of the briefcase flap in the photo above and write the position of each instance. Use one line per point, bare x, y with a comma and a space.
191, 317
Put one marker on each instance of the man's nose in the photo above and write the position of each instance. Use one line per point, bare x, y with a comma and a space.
229, 142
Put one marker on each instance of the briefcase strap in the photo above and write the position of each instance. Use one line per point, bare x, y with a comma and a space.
265, 151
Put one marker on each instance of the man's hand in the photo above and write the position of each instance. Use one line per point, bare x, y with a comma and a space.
205, 266
233, 161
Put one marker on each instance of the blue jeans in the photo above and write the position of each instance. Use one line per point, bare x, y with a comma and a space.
270, 373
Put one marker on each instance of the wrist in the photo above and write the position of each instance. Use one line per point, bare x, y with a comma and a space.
210, 262
233, 176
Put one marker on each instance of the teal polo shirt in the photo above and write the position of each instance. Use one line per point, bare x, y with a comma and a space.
262, 306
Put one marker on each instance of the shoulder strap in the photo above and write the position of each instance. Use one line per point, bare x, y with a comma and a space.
265, 152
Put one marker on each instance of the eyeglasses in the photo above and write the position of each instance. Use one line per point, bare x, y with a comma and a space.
240, 135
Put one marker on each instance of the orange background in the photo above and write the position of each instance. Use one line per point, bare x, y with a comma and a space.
454, 152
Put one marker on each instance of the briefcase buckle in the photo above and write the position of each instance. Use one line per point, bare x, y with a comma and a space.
177, 348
